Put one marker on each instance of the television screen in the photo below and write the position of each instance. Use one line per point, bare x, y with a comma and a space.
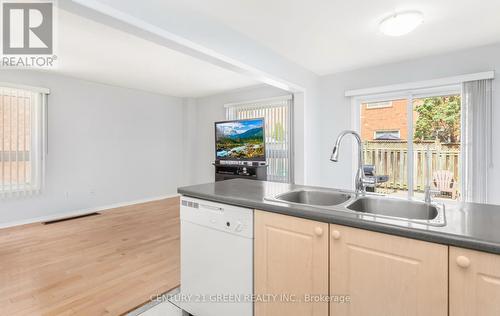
240, 140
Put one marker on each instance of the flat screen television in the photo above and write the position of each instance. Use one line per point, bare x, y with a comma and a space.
240, 140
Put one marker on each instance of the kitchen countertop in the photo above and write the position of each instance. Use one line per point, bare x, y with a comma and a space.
468, 225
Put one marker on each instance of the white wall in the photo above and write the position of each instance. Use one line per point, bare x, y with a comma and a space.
180, 27
209, 110
106, 145
335, 108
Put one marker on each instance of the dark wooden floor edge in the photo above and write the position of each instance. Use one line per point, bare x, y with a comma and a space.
65, 219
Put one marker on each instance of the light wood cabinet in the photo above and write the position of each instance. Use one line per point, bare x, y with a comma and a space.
382, 275
291, 261
387, 275
474, 283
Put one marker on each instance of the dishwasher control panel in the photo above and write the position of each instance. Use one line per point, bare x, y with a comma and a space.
232, 219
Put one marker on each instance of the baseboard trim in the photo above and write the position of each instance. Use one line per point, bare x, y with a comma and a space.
81, 212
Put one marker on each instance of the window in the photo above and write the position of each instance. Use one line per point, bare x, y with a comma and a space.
387, 135
415, 143
277, 113
21, 141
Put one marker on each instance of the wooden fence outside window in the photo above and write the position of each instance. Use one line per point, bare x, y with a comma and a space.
391, 158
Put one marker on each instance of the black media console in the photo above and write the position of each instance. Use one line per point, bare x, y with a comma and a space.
246, 170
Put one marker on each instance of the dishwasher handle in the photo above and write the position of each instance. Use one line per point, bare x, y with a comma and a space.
211, 207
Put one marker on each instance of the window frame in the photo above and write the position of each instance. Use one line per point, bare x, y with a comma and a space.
409, 95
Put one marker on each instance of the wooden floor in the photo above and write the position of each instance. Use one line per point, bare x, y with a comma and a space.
101, 265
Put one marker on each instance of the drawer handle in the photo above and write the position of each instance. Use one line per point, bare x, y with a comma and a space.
318, 231
463, 262
335, 234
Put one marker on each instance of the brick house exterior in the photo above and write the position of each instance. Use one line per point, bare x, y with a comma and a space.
389, 118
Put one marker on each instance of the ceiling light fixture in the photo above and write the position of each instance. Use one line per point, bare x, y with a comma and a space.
401, 23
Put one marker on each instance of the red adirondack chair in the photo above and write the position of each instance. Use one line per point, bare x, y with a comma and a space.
444, 182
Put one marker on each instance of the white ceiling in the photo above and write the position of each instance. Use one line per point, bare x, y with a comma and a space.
96, 52
327, 36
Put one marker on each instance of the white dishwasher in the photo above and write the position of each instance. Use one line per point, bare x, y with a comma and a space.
216, 259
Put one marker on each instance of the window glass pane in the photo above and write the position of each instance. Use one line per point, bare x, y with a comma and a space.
384, 132
437, 146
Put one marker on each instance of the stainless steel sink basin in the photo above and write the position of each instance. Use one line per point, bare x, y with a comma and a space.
312, 197
405, 209
370, 205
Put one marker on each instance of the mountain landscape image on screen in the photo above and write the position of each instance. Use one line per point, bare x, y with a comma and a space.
240, 139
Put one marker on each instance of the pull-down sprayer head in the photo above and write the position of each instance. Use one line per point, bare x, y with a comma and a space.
335, 153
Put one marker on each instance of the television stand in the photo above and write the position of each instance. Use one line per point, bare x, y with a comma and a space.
240, 171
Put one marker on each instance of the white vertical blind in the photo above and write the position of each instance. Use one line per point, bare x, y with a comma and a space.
277, 113
22, 130
477, 107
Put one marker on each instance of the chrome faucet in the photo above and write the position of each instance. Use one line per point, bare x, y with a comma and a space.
361, 181
428, 193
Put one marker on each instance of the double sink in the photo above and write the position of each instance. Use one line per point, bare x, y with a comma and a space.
367, 204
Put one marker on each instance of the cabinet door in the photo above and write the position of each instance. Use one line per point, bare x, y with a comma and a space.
474, 283
291, 262
386, 275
